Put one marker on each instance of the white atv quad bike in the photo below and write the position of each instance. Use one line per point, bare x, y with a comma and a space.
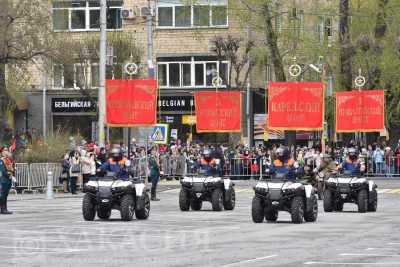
347, 189
103, 194
196, 188
277, 194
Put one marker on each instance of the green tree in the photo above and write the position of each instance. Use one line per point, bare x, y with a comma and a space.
24, 33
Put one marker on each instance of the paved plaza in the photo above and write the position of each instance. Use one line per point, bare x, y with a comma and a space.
53, 233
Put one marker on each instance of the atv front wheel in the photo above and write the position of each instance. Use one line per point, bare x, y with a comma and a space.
144, 212
362, 201
88, 208
104, 214
257, 210
373, 201
196, 204
217, 200
328, 201
297, 209
230, 199
184, 201
127, 207
311, 213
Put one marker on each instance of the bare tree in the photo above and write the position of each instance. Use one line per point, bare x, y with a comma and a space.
229, 49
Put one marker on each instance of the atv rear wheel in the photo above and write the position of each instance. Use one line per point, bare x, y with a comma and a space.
257, 210
271, 215
217, 200
320, 190
339, 205
88, 208
103, 213
297, 209
311, 213
143, 213
196, 204
373, 201
127, 207
184, 201
230, 199
362, 201
328, 200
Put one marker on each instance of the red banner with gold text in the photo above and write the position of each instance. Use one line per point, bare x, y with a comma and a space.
360, 111
295, 105
131, 102
218, 111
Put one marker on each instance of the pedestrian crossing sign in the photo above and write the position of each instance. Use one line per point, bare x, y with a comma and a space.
159, 134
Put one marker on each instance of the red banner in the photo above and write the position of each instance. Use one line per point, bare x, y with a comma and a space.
295, 106
131, 102
218, 111
360, 111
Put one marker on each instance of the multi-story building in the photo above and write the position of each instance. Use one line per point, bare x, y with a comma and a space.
182, 58
183, 61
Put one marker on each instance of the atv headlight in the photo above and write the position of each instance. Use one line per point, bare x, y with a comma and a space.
261, 190
90, 188
118, 189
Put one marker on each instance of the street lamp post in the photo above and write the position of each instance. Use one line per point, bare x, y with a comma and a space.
102, 72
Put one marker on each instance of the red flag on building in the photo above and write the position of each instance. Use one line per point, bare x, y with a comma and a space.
218, 111
131, 102
295, 105
360, 111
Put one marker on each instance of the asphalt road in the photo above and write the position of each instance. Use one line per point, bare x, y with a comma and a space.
53, 233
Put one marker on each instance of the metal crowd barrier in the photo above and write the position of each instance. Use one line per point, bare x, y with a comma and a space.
33, 177
235, 168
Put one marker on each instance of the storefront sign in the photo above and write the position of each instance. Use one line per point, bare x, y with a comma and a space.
73, 105
218, 111
360, 111
296, 106
189, 119
131, 102
176, 103
174, 133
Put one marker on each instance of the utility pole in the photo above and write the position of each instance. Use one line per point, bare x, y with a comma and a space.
149, 22
44, 123
248, 96
102, 72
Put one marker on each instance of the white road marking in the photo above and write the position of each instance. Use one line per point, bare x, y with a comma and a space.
85, 233
393, 243
250, 261
380, 249
367, 255
27, 240
351, 263
38, 248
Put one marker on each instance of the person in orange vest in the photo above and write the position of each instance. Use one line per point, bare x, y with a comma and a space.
208, 163
284, 164
116, 164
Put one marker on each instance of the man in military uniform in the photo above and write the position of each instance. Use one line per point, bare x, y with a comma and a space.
154, 167
6, 172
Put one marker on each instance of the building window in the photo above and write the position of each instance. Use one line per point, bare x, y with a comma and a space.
165, 16
190, 72
204, 13
85, 15
76, 76
324, 29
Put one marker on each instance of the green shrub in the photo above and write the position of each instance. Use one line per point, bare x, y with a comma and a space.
52, 151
